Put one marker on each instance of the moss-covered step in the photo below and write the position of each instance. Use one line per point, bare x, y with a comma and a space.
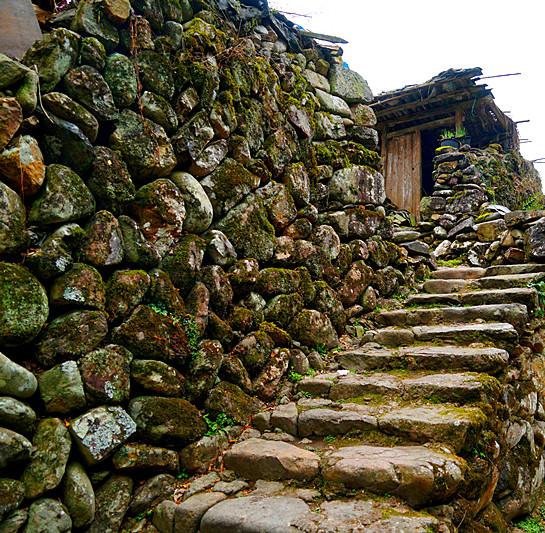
525, 268
523, 295
500, 334
416, 474
445, 286
507, 281
514, 314
458, 427
453, 387
371, 357
458, 273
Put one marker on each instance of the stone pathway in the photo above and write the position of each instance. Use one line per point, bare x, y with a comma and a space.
405, 436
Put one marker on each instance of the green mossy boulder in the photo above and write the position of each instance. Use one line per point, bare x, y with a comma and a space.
52, 446
274, 281
90, 20
312, 328
148, 334
87, 86
155, 73
64, 198
61, 389
144, 145
13, 235
81, 286
124, 291
110, 181
64, 107
229, 399
183, 265
70, 336
102, 244
254, 351
78, 495
157, 377
120, 75
167, 421
92, 53
54, 55
23, 305
106, 374
249, 229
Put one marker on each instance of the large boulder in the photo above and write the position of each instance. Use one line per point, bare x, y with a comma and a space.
248, 228
54, 55
23, 305
167, 421
144, 145
312, 328
13, 235
357, 185
349, 85
199, 210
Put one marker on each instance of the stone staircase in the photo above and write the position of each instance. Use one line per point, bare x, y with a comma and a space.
406, 434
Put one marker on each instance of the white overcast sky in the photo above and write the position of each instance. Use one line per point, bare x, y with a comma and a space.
393, 43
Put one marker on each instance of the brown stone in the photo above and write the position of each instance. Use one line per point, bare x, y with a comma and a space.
22, 165
11, 117
117, 11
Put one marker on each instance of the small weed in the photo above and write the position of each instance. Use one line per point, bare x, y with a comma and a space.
539, 286
321, 349
531, 525
183, 474
294, 377
330, 438
215, 427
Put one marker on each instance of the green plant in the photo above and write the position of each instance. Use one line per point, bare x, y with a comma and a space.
330, 438
539, 286
531, 525
535, 202
446, 134
217, 426
461, 132
294, 377
183, 474
321, 349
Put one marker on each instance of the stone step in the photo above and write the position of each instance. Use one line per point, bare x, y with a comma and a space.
273, 508
372, 356
515, 314
458, 427
523, 295
525, 268
416, 474
458, 273
445, 286
455, 387
500, 334
507, 281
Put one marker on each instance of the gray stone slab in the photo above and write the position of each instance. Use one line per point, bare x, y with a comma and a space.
444, 286
416, 474
263, 459
458, 273
354, 385
334, 422
253, 514
507, 281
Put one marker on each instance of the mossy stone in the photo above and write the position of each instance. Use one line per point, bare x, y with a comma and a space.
167, 421
54, 55
231, 400
110, 181
70, 336
92, 53
184, 264
90, 20
13, 235
81, 286
274, 281
106, 374
64, 198
120, 75
155, 73
23, 305
124, 291
249, 229
87, 86
254, 351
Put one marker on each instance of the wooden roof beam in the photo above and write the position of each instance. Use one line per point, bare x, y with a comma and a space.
449, 121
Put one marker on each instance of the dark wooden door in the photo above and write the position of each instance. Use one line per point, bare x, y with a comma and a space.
403, 170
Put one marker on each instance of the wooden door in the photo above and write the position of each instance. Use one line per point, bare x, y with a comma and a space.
403, 171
